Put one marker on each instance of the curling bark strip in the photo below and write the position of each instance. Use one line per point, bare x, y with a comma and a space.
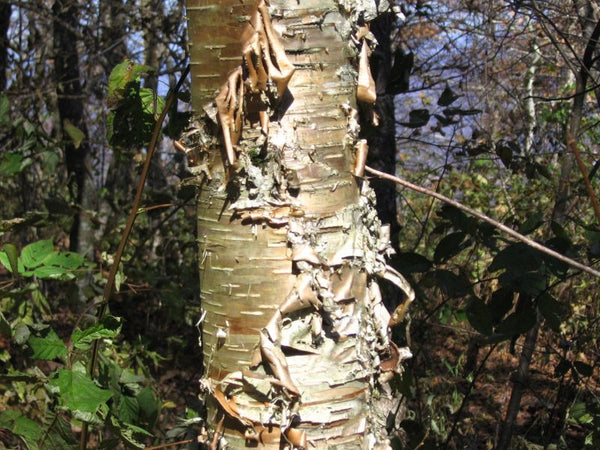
295, 336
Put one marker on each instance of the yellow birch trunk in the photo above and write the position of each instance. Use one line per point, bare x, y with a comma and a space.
295, 336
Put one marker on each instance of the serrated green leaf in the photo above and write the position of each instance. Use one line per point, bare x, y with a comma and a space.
48, 347
22, 426
78, 392
76, 135
448, 97
107, 328
123, 74
33, 254
152, 104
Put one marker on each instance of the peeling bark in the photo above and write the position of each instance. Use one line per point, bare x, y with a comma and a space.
295, 336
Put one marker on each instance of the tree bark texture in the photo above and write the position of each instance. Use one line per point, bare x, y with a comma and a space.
295, 336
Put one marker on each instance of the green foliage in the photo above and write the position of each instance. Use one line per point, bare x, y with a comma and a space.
134, 109
39, 259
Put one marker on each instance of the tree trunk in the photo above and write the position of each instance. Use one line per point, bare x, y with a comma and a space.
295, 336
71, 113
5, 10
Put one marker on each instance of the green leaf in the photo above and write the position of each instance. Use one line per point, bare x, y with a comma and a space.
559, 231
107, 328
48, 347
152, 104
479, 316
21, 333
450, 246
129, 409
19, 424
460, 112
456, 217
128, 377
68, 260
562, 368
583, 368
411, 262
123, 74
417, 118
448, 97
34, 254
13, 258
11, 164
518, 322
552, 310
76, 135
533, 222
58, 434
531, 283
149, 405
517, 257
53, 273
451, 284
505, 150
501, 303
78, 392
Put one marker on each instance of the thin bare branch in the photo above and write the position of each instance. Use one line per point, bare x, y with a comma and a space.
481, 216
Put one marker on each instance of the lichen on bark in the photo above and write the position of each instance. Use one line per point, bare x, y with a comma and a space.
295, 337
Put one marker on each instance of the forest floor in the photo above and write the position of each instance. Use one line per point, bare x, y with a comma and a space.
442, 368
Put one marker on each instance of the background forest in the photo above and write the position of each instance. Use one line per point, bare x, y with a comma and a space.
491, 103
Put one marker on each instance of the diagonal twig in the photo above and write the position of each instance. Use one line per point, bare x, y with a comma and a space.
481, 216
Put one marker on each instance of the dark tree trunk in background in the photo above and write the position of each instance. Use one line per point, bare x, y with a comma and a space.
5, 10
71, 111
382, 139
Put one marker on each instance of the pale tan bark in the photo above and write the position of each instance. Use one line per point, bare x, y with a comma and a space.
295, 336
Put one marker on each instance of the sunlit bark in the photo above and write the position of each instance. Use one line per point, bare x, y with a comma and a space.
295, 335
